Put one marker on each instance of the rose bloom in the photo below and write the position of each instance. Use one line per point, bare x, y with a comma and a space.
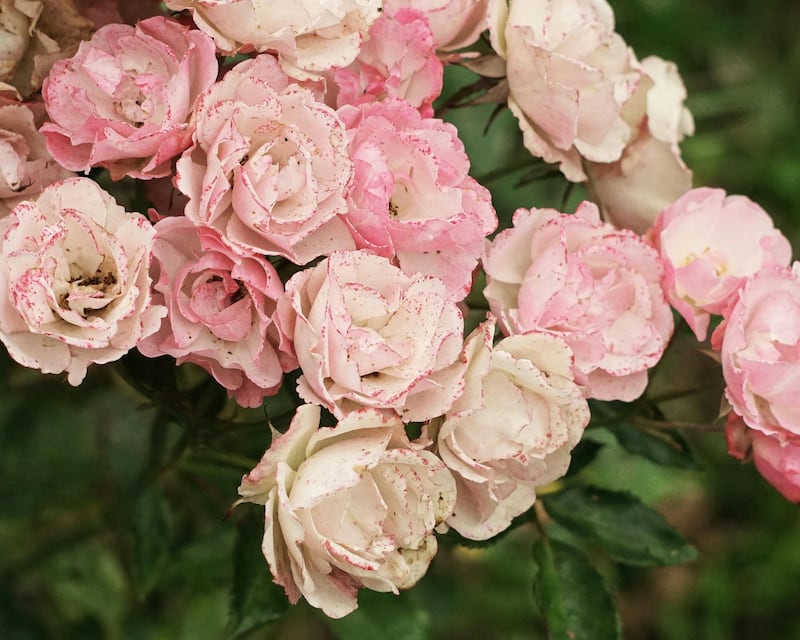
650, 174
777, 461
648, 177
761, 352
35, 34
307, 36
270, 165
595, 286
123, 102
455, 23
412, 198
569, 77
710, 244
399, 59
220, 307
347, 507
74, 272
368, 335
25, 165
511, 430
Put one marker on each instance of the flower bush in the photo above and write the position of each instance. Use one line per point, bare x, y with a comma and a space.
279, 242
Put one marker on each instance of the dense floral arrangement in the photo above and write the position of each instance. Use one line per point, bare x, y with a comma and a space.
307, 225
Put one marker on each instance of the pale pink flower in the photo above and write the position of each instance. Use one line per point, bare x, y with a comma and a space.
632, 191
309, 36
347, 507
779, 463
761, 352
74, 277
368, 335
511, 430
569, 78
659, 99
595, 286
650, 174
738, 437
270, 165
123, 102
25, 165
455, 23
220, 306
412, 198
399, 59
710, 244
34, 34
777, 460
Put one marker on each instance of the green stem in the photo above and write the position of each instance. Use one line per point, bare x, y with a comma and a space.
689, 426
224, 458
499, 174
676, 395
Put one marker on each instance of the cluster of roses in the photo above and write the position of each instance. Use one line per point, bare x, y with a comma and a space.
316, 149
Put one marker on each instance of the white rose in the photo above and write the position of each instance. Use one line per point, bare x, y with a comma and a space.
309, 36
74, 274
569, 77
513, 428
348, 507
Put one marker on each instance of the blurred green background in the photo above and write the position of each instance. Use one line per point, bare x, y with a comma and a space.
112, 516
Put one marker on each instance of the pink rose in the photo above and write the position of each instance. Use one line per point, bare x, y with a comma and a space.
412, 198
123, 102
569, 78
309, 36
399, 60
455, 23
511, 430
650, 174
779, 463
25, 165
710, 244
595, 286
761, 352
74, 272
347, 507
220, 307
368, 335
270, 165
776, 460
632, 191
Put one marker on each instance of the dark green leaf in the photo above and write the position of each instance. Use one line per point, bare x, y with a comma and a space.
152, 531
583, 454
666, 448
571, 595
255, 599
628, 530
383, 616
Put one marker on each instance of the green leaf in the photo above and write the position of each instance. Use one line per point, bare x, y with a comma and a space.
629, 531
582, 455
255, 599
384, 616
152, 532
667, 448
571, 595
